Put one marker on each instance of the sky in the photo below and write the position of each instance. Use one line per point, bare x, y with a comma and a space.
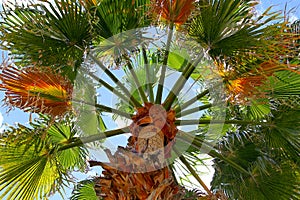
293, 7
14, 116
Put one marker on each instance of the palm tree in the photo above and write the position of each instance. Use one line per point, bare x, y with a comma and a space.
243, 113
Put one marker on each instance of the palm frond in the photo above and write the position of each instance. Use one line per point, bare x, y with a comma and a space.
114, 17
283, 138
223, 27
284, 84
31, 167
84, 102
53, 34
33, 89
267, 179
84, 190
278, 184
27, 170
257, 110
70, 159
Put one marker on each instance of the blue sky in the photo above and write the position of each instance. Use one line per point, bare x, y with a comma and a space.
293, 7
18, 116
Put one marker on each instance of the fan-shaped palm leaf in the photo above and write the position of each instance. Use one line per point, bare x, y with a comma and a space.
284, 84
35, 90
284, 136
114, 17
280, 183
50, 33
31, 165
84, 190
264, 175
225, 26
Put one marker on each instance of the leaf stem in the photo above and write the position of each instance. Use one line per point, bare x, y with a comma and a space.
136, 80
200, 142
188, 71
105, 108
112, 89
92, 138
193, 172
201, 121
164, 66
148, 76
215, 154
191, 101
115, 80
199, 145
193, 110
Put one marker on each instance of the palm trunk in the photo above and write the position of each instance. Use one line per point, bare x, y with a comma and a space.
140, 171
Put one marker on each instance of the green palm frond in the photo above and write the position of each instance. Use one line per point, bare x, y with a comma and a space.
48, 33
113, 17
27, 176
73, 158
257, 110
279, 183
284, 84
267, 179
27, 168
284, 137
115, 26
88, 115
84, 190
31, 165
226, 26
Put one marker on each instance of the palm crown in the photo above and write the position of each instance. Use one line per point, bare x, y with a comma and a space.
243, 112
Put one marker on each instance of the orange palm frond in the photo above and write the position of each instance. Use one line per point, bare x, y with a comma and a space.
34, 90
176, 11
244, 88
270, 67
241, 90
243, 85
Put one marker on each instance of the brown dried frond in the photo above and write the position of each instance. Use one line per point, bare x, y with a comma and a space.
36, 90
174, 11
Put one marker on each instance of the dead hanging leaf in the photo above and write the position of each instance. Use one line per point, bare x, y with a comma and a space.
118, 184
156, 115
144, 120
